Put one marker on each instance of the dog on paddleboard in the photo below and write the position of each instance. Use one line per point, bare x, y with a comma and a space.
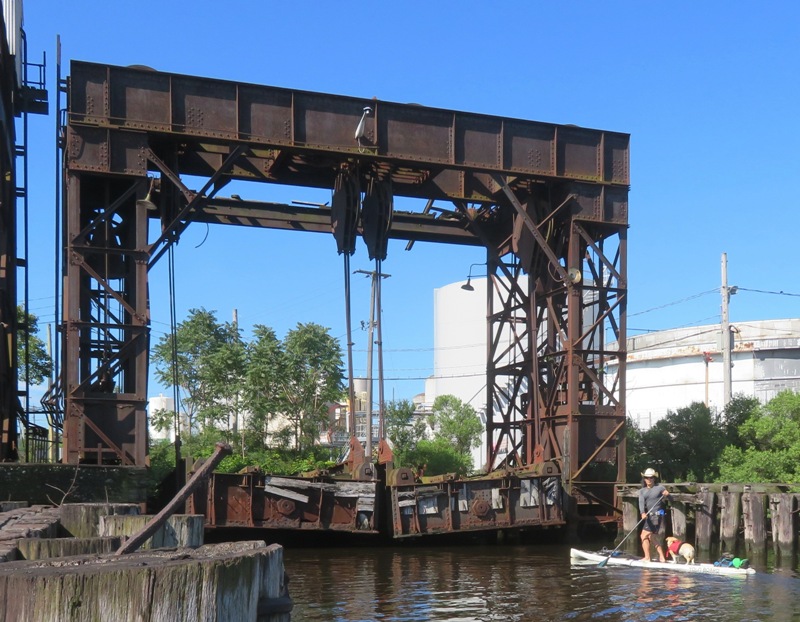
676, 548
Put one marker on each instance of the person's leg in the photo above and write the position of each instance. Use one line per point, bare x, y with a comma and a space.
646, 545
658, 538
660, 551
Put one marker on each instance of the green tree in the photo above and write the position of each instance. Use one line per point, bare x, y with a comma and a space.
685, 444
264, 383
40, 366
403, 429
457, 423
314, 378
223, 376
770, 444
637, 459
739, 409
195, 340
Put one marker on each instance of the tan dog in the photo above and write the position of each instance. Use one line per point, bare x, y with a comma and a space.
675, 548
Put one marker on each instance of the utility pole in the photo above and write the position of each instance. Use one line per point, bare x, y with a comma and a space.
727, 336
374, 303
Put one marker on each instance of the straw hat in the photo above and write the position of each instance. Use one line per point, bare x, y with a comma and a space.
649, 472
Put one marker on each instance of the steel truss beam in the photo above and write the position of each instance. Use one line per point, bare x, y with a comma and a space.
548, 202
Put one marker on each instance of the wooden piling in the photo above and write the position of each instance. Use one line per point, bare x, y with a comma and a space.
730, 519
630, 515
754, 515
781, 506
678, 516
82, 520
178, 530
705, 514
233, 582
45, 548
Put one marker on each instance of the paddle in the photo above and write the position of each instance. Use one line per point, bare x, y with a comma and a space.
605, 561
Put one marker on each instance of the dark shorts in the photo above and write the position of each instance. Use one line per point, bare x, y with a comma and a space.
653, 524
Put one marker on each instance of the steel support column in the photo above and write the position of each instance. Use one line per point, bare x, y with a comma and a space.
106, 318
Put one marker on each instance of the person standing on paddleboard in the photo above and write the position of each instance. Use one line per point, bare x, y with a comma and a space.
650, 500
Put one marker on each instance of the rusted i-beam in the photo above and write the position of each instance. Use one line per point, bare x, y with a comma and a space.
137, 539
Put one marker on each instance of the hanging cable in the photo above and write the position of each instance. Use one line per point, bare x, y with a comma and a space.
379, 316
351, 414
173, 324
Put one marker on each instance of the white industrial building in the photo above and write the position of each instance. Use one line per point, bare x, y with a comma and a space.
672, 368
666, 370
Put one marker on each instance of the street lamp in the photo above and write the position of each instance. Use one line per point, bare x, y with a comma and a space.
468, 286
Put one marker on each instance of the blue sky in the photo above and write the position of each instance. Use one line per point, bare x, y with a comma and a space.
709, 92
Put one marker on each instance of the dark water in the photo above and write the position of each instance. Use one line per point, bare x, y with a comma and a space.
518, 583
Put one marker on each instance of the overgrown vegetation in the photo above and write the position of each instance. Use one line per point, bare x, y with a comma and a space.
747, 442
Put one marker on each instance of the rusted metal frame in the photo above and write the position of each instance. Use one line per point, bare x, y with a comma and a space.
106, 366
405, 226
554, 316
80, 298
512, 415
103, 217
587, 369
574, 303
512, 287
581, 487
509, 421
522, 212
620, 290
111, 291
614, 395
620, 380
602, 316
511, 282
112, 447
603, 444
425, 210
173, 231
109, 312
555, 211
588, 239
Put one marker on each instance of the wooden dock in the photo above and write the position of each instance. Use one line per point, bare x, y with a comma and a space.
743, 519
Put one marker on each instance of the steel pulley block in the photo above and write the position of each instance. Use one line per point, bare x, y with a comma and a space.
345, 211
376, 217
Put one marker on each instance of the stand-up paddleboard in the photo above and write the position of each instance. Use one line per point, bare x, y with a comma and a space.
578, 556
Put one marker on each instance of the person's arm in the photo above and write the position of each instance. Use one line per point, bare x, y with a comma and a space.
641, 503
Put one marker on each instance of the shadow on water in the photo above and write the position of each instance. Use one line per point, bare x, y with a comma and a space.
518, 583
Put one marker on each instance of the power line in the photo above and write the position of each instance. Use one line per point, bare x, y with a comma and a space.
764, 291
676, 302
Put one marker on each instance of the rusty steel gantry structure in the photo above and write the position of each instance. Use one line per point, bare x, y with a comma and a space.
548, 202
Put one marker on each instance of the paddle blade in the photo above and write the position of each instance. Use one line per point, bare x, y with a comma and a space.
603, 563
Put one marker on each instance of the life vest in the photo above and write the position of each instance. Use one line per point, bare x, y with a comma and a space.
675, 546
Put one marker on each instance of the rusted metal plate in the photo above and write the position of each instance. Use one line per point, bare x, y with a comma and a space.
296, 503
508, 500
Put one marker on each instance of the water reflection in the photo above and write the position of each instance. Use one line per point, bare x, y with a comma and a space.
517, 583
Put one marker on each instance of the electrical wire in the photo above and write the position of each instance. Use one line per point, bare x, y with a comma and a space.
764, 291
676, 302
